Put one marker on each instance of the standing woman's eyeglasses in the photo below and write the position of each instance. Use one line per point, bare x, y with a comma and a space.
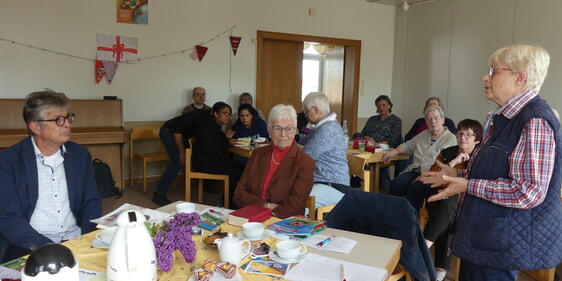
60, 120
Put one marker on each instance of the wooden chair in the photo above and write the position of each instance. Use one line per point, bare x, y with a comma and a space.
357, 168
190, 174
145, 133
317, 213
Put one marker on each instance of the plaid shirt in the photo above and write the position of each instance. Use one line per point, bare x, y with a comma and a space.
530, 164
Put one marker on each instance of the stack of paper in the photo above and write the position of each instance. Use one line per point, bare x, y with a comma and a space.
243, 142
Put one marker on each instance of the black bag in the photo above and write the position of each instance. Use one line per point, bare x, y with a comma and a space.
104, 180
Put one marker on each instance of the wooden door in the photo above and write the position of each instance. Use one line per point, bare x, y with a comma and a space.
279, 73
334, 80
279, 76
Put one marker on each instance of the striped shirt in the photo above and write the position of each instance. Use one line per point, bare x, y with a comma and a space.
530, 164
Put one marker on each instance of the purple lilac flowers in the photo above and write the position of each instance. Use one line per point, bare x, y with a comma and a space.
176, 235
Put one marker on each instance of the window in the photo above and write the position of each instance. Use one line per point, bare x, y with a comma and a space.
312, 72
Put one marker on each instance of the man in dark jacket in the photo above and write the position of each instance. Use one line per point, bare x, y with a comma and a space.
48, 186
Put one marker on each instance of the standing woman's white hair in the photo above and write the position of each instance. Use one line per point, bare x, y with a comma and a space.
533, 60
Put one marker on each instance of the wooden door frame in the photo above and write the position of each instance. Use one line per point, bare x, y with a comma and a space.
351, 68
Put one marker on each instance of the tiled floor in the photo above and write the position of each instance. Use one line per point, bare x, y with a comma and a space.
135, 196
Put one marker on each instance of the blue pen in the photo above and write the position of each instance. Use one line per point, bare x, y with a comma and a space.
323, 243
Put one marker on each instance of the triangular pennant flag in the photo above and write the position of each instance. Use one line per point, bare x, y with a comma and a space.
110, 70
235, 42
193, 55
100, 71
201, 51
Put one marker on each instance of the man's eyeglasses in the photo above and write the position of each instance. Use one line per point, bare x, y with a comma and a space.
60, 120
200, 94
465, 135
492, 68
288, 130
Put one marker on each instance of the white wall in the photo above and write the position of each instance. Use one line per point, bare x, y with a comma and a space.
442, 49
156, 89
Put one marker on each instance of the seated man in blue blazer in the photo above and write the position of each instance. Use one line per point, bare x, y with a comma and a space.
48, 187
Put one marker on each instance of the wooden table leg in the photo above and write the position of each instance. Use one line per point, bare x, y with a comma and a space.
375, 172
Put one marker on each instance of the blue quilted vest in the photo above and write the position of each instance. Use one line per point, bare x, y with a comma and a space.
509, 238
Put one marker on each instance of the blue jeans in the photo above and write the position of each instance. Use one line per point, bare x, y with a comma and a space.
325, 195
167, 138
473, 272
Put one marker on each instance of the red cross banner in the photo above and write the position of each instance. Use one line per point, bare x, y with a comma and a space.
201, 51
117, 48
235, 42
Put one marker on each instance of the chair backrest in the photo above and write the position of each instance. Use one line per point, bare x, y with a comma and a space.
387, 216
357, 168
188, 154
148, 132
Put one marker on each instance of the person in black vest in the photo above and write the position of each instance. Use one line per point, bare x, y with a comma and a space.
510, 216
174, 135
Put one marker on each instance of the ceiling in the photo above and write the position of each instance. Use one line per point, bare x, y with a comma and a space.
396, 2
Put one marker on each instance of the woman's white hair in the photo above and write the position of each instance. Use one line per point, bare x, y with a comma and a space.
433, 108
533, 60
319, 100
282, 112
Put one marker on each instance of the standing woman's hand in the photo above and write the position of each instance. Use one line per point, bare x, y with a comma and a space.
456, 185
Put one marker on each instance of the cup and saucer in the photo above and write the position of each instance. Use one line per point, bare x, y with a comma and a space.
275, 256
104, 238
289, 251
241, 235
253, 231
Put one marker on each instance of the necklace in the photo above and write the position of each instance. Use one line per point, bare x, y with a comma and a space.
273, 158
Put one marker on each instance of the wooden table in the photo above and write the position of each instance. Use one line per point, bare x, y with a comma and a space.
370, 250
375, 163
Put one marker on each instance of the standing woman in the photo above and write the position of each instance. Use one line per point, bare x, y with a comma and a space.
510, 217
210, 150
424, 147
249, 124
278, 176
384, 127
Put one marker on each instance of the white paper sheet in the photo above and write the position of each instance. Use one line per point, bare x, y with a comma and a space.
6, 272
319, 268
338, 244
108, 220
90, 275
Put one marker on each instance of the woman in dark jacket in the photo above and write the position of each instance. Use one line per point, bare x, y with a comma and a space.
210, 150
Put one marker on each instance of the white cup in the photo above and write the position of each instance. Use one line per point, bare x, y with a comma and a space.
290, 249
384, 146
106, 236
253, 230
185, 207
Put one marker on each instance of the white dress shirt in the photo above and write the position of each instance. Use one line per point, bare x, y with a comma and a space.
52, 216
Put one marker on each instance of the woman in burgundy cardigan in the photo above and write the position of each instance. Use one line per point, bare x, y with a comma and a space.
278, 176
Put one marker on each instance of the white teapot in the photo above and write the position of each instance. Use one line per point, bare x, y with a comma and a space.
131, 255
231, 249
